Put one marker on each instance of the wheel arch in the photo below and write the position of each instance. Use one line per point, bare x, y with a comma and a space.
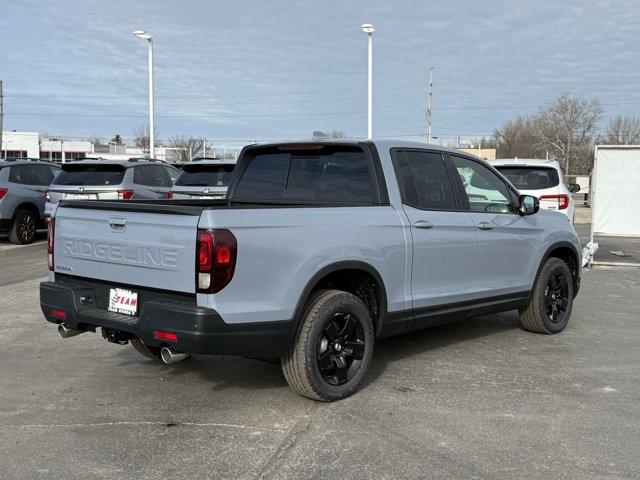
567, 252
32, 207
348, 271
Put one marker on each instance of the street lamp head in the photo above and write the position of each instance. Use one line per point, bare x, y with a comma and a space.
368, 29
143, 34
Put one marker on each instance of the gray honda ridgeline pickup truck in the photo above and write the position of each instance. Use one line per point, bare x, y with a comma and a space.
318, 250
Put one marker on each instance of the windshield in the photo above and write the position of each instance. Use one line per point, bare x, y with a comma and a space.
531, 178
90, 175
205, 176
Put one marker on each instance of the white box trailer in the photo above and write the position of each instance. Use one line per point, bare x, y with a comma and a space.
615, 187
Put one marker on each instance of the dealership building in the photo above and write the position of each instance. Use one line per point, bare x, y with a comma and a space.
29, 144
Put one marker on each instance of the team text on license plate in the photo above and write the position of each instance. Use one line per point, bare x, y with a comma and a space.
123, 301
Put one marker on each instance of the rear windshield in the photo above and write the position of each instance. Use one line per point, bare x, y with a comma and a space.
205, 175
90, 175
324, 174
531, 178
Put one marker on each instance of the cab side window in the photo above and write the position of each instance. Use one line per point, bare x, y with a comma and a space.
424, 180
487, 192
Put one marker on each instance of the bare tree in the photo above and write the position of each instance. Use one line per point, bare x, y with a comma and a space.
96, 140
566, 128
186, 147
622, 130
338, 134
518, 138
141, 138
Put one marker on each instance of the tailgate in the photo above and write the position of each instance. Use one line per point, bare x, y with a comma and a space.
140, 248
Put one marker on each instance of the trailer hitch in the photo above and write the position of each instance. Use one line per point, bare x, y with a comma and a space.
116, 336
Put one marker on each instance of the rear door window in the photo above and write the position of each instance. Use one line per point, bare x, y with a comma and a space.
323, 174
202, 175
530, 178
97, 175
424, 181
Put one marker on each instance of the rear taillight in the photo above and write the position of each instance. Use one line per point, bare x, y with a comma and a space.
3, 192
169, 195
216, 252
563, 200
125, 194
47, 196
51, 229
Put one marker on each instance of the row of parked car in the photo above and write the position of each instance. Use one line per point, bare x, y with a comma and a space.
30, 188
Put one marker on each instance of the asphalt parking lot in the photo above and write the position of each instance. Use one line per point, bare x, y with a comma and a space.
475, 399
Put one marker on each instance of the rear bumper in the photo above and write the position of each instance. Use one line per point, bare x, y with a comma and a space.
200, 330
5, 225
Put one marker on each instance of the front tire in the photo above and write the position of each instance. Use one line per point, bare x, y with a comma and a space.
332, 348
552, 299
24, 227
146, 350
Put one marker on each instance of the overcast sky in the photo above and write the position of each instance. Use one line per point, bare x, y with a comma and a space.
243, 70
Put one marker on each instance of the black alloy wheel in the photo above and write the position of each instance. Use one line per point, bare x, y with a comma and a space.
341, 347
556, 296
24, 228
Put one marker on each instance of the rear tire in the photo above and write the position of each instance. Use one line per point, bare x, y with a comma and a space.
146, 350
552, 300
332, 349
24, 227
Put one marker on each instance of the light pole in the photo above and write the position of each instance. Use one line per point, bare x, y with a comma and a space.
368, 29
149, 38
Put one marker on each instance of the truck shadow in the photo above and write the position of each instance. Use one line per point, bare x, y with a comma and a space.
225, 372
421, 343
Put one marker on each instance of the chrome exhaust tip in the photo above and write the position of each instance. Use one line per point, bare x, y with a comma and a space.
66, 332
169, 355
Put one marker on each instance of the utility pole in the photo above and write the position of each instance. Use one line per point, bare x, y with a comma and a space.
1, 115
429, 98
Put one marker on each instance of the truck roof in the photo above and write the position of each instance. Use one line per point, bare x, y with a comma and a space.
380, 143
524, 162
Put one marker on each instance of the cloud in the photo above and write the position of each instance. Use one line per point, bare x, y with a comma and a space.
250, 69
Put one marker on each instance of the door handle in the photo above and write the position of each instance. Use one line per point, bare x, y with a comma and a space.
423, 224
485, 226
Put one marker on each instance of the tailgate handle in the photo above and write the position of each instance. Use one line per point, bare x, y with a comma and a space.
118, 223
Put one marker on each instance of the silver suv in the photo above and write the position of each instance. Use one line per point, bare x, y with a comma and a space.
111, 180
203, 178
22, 189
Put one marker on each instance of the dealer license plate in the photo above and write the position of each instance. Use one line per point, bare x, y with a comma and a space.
123, 301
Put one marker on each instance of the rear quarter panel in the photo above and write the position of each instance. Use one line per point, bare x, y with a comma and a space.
281, 249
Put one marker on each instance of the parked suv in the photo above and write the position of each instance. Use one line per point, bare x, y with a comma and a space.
22, 189
203, 178
543, 179
111, 180
318, 250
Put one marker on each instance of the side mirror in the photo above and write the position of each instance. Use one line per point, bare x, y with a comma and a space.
574, 187
528, 205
